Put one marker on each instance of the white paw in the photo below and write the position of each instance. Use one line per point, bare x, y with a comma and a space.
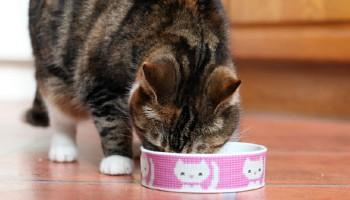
63, 153
116, 165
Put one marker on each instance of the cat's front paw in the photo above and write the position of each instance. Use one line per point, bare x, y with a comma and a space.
63, 153
116, 165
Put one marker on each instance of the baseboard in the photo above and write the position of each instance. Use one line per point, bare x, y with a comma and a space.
307, 88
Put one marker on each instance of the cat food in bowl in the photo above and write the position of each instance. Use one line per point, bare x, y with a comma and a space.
236, 167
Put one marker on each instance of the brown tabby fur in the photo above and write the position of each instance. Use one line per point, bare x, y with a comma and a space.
89, 53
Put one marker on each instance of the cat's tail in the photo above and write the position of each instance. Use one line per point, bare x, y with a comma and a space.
37, 115
215, 178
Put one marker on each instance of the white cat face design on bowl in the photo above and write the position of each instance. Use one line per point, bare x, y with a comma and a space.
192, 173
253, 169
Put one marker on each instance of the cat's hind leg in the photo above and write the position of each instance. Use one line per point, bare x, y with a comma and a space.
63, 143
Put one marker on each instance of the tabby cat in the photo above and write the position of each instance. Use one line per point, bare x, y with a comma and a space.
161, 68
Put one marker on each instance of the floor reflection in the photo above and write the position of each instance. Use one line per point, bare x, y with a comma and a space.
148, 194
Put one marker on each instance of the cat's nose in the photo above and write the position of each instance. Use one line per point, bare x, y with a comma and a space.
191, 176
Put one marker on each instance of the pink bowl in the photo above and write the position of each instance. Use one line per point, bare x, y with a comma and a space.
236, 167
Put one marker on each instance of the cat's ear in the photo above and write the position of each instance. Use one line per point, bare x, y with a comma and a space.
222, 85
158, 78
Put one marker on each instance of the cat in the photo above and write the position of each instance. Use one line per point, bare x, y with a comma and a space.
147, 170
192, 176
161, 68
253, 170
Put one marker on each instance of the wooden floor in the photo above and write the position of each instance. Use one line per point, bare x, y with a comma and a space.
308, 159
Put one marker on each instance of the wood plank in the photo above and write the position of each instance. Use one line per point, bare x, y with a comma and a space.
306, 192
308, 168
327, 42
291, 130
92, 191
300, 165
282, 11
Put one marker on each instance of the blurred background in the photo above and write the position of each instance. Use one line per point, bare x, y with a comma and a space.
293, 56
16, 62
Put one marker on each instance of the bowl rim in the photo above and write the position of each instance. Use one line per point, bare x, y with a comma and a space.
261, 149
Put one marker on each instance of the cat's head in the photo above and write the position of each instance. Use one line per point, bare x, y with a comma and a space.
184, 105
191, 173
253, 169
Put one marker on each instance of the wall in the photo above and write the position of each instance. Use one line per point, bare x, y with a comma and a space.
14, 40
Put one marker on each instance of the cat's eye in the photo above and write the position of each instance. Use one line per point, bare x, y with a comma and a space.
182, 174
200, 174
249, 171
259, 169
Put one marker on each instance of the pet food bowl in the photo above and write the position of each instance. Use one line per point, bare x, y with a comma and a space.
236, 167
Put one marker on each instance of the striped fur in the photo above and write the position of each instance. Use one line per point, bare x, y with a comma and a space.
89, 53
